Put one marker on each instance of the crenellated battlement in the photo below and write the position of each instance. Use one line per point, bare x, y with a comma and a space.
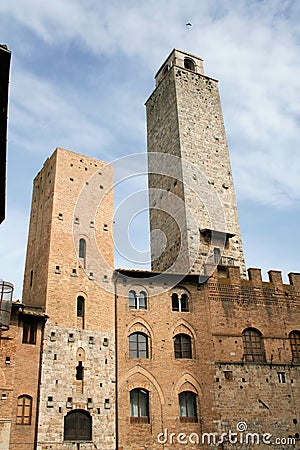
232, 276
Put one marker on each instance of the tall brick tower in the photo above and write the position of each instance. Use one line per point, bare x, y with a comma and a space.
191, 191
68, 275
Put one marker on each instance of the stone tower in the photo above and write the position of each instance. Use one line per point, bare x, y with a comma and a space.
68, 275
193, 215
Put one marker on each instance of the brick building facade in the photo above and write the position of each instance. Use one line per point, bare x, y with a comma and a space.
195, 352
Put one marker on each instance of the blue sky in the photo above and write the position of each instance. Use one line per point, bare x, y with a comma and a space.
80, 75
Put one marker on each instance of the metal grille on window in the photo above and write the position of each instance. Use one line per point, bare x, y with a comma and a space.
253, 346
295, 345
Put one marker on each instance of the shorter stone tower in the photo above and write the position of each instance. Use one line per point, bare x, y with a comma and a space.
193, 213
68, 276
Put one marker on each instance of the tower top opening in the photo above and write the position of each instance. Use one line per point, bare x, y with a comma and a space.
180, 59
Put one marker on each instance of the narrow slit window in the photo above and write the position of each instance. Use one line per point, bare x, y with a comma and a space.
80, 306
79, 371
82, 248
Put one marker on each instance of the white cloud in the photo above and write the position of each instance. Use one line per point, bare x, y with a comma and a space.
251, 46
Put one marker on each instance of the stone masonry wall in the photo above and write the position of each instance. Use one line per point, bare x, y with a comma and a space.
184, 119
61, 392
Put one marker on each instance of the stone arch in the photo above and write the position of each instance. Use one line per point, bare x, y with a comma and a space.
139, 325
180, 290
182, 326
138, 288
151, 381
187, 382
189, 64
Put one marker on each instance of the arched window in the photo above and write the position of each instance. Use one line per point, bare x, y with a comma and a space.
182, 346
180, 304
253, 346
184, 303
24, 410
132, 300
138, 345
80, 306
175, 302
295, 345
137, 301
82, 251
139, 406
78, 426
82, 248
188, 407
142, 300
189, 64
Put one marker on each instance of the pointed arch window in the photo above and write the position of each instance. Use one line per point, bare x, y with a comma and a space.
188, 407
24, 410
138, 345
78, 426
253, 346
139, 406
182, 346
295, 345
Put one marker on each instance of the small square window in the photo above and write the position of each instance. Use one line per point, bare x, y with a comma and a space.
228, 375
7, 360
71, 337
52, 336
105, 342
